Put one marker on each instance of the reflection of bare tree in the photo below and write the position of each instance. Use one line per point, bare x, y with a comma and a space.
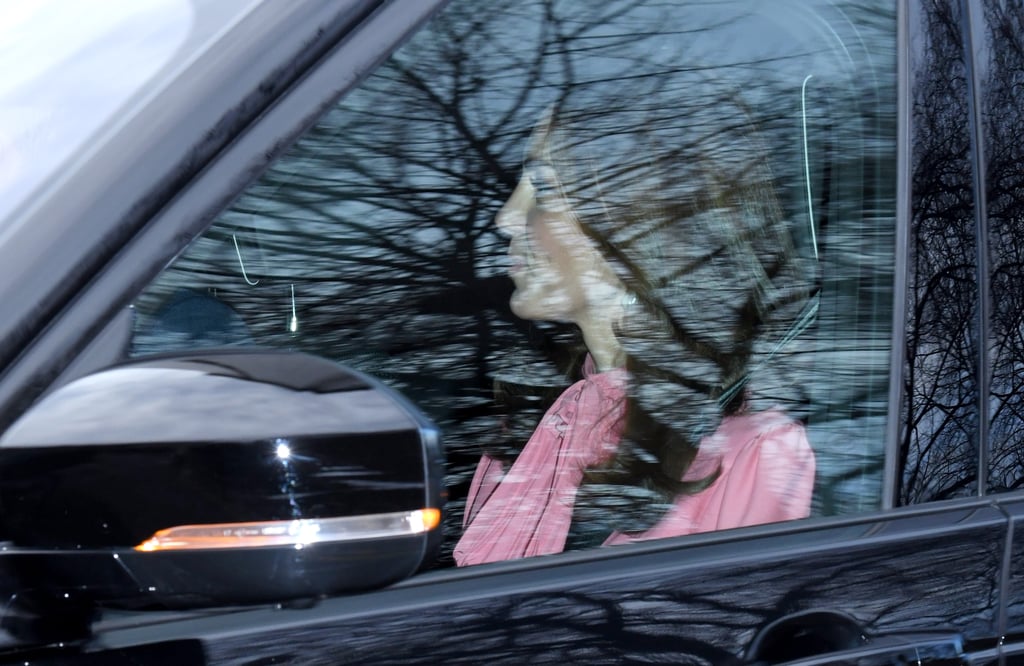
699, 606
380, 218
1004, 153
938, 455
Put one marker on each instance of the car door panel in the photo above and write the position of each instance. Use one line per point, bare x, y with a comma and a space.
1013, 630
700, 600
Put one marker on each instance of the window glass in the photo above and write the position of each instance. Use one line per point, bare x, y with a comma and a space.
939, 441
1003, 125
634, 257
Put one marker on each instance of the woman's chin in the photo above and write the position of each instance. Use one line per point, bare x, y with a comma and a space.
521, 307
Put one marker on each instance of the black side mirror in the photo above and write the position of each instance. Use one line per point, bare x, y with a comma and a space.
215, 478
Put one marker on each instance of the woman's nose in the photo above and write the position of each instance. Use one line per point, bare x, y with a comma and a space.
511, 219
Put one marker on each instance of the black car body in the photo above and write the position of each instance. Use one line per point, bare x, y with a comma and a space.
896, 123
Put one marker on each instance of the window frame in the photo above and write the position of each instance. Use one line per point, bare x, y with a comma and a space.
901, 267
92, 314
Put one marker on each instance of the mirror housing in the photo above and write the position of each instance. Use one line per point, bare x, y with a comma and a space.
218, 478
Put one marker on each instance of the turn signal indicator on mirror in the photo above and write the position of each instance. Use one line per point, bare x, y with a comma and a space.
296, 533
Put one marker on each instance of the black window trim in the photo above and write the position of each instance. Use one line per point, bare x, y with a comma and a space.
972, 24
901, 267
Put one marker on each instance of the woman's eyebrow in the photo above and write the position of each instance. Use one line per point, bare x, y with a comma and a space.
534, 162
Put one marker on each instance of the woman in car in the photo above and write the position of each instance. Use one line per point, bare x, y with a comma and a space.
666, 247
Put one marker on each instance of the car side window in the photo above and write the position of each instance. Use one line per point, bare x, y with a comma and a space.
1003, 126
938, 442
635, 259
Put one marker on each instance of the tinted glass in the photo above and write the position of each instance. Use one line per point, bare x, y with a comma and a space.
939, 442
1003, 125
695, 205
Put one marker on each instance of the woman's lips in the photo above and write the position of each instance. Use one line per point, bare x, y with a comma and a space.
516, 263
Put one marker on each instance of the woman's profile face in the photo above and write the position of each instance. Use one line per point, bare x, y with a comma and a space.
558, 273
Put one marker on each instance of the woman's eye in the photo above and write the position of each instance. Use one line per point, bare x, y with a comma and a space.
544, 181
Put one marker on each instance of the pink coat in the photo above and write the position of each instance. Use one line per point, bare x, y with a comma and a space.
767, 475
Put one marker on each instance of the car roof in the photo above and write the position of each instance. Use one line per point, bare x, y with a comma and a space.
75, 70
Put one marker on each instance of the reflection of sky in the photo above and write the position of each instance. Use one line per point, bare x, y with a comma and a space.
745, 42
136, 405
68, 66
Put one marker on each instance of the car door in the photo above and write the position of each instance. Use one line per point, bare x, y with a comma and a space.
370, 241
